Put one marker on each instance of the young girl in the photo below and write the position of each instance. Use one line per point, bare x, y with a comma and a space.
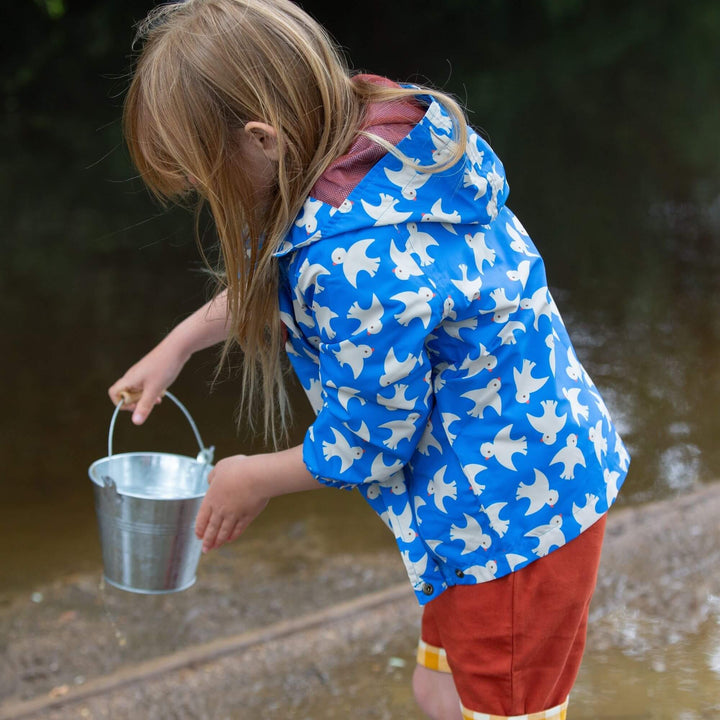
363, 226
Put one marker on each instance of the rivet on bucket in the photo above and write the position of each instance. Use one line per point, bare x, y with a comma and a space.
146, 506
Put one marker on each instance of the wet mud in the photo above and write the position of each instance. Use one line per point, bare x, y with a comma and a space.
653, 644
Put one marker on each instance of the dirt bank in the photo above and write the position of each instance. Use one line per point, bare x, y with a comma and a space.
658, 585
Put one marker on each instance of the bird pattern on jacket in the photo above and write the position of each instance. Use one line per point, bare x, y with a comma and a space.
445, 386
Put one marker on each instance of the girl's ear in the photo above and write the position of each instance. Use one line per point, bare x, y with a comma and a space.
264, 137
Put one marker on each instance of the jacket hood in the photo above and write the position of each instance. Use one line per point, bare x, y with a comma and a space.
393, 192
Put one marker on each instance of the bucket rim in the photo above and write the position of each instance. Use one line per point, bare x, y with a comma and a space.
142, 496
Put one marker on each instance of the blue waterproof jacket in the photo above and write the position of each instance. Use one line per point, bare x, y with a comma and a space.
445, 385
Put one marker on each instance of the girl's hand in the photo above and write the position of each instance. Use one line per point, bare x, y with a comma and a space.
150, 377
235, 498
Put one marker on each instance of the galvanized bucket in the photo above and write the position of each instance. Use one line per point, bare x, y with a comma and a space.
146, 505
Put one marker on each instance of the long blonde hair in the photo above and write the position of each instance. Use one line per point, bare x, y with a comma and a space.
206, 68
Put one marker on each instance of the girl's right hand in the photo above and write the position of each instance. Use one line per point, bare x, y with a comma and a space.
150, 377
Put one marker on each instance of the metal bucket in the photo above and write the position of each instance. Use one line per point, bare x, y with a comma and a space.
146, 507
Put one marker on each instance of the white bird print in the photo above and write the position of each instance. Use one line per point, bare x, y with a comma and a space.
380, 472
405, 265
370, 318
518, 244
454, 327
401, 524
473, 151
416, 567
324, 316
601, 406
485, 397
419, 502
398, 401
549, 424
525, 383
428, 440
499, 525
315, 395
353, 355
496, 183
447, 420
396, 369
520, 275
539, 304
444, 146
307, 217
504, 306
407, 179
437, 214
290, 324
438, 118
300, 309
355, 260
577, 409
598, 440
344, 207
471, 535
482, 252
309, 274
539, 493
503, 447
513, 560
472, 178
574, 370
417, 305
508, 330
471, 472
345, 394
362, 432
569, 456
587, 515
385, 213
418, 243
400, 429
433, 545
550, 343
622, 453
474, 366
548, 536
482, 573
469, 288
440, 490
611, 478
342, 449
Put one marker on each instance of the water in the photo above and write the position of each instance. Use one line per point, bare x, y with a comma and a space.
610, 145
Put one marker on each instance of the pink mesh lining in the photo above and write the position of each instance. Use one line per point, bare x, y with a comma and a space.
391, 121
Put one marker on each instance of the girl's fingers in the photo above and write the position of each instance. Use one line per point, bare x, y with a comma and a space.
225, 532
201, 522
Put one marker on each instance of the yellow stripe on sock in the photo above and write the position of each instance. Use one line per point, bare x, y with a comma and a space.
556, 713
432, 658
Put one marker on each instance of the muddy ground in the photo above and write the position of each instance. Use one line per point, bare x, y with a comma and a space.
659, 587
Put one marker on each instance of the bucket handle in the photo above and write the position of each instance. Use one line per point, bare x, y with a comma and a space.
206, 453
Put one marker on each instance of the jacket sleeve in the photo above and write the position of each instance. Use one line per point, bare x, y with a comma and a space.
374, 373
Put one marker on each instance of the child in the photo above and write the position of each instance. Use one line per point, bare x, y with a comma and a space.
363, 224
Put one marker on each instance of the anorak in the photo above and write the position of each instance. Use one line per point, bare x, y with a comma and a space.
445, 386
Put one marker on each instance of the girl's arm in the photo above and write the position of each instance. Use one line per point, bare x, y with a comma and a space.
159, 368
240, 488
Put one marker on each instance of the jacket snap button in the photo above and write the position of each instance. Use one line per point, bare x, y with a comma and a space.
460, 573
427, 588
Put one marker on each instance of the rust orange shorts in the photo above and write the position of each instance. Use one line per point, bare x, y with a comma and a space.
514, 645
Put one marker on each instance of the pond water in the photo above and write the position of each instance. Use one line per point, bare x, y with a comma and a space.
614, 168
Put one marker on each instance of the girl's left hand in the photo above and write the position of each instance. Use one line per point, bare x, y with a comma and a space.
235, 498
